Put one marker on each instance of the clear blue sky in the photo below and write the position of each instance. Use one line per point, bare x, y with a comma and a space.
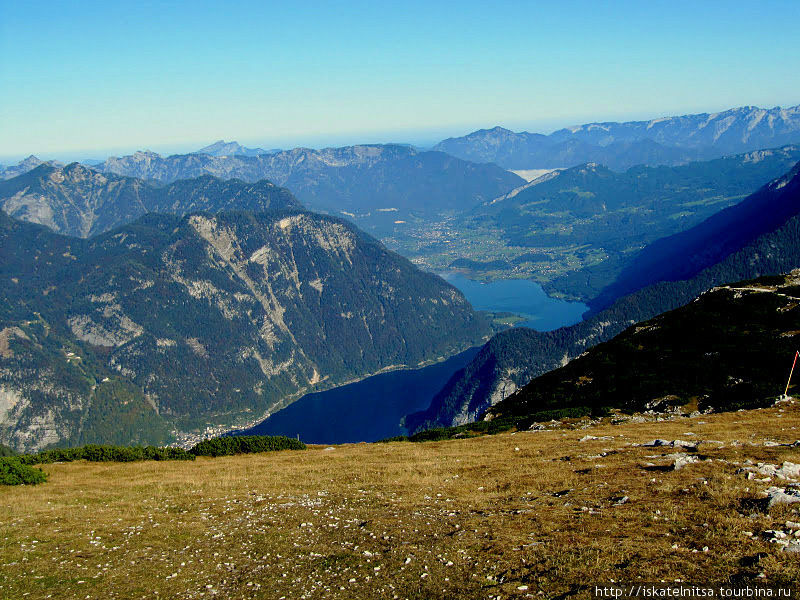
89, 78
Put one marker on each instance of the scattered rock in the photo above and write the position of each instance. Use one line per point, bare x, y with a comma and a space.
787, 470
691, 446
682, 461
587, 438
778, 495
774, 534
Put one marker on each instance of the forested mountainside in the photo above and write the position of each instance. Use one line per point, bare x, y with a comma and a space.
512, 358
619, 146
78, 201
683, 255
178, 323
731, 348
379, 187
584, 225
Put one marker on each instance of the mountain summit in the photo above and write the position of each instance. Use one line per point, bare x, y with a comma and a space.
223, 148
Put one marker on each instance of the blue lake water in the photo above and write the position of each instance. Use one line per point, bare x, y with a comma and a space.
521, 297
366, 411
372, 409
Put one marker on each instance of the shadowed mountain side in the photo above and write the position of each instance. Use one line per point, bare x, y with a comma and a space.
729, 349
683, 255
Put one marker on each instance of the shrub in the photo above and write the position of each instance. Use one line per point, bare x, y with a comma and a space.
6, 451
245, 444
14, 472
98, 453
434, 435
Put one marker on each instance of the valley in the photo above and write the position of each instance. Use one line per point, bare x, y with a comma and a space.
375, 407
399, 301
576, 230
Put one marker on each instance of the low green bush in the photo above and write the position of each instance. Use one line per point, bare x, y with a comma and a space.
14, 472
6, 451
98, 453
245, 444
501, 424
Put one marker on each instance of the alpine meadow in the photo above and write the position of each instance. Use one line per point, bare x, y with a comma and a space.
400, 302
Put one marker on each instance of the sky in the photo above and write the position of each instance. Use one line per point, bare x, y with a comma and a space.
89, 79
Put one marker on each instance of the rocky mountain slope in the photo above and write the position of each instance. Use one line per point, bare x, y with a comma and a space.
79, 201
512, 358
24, 166
181, 323
668, 140
731, 348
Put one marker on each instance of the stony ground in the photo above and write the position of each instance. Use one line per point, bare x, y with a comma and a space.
540, 514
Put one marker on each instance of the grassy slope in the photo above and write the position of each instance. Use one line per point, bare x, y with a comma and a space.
234, 527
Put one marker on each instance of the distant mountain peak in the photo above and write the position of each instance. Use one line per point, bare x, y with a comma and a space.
141, 154
223, 148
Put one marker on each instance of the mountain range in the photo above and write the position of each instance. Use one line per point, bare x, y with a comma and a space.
381, 188
172, 324
742, 247
619, 146
79, 201
24, 166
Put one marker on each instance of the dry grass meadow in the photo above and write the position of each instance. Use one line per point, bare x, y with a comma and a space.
528, 514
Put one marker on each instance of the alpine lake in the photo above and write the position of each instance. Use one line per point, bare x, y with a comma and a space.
373, 408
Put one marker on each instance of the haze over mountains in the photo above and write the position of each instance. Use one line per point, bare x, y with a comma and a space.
223, 148
374, 185
619, 146
24, 166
